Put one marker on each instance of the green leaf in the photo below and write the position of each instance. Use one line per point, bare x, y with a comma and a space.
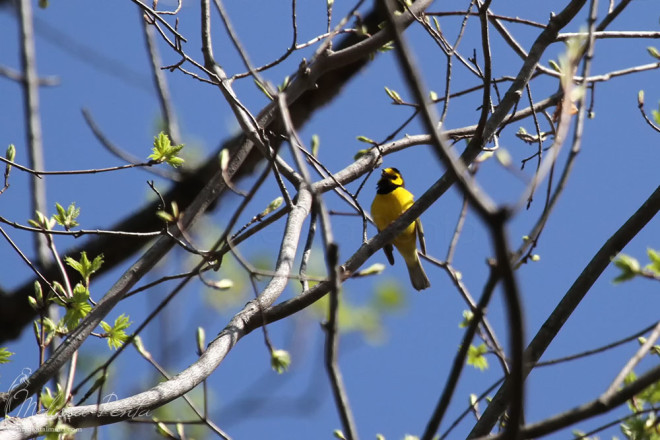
224, 159
5, 355
53, 403
282, 87
650, 394
38, 293
280, 360
61, 294
85, 267
42, 221
656, 116
654, 256
201, 340
503, 157
635, 429
163, 430
374, 269
223, 284
484, 156
629, 267
164, 151
393, 95
116, 334
337, 433
653, 52
467, 318
33, 303
67, 217
165, 216
366, 140
553, 64
630, 378
361, 153
10, 155
640, 97
50, 329
387, 47
272, 206
263, 89
476, 357
60, 430
77, 307
139, 346
316, 143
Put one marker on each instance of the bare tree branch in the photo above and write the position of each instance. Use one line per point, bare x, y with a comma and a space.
569, 302
602, 404
33, 134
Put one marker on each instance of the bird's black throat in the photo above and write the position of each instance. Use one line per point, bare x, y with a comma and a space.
385, 186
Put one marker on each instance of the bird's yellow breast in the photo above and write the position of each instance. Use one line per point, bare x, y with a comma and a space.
388, 207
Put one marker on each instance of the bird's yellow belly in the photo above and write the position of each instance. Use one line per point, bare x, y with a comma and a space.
388, 207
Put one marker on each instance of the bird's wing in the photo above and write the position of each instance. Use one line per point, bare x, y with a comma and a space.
420, 235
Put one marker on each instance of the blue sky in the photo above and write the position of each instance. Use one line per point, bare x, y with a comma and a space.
98, 55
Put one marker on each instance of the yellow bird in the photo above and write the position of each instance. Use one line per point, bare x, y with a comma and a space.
392, 200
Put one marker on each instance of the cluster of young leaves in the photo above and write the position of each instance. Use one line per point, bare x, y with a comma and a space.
630, 267
76, 304
53, 404
5, 355
164, 151
644, 424
476, 355
116, 334
67, 217
280, 360
64, 217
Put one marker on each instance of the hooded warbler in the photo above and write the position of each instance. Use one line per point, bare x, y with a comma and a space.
392, 200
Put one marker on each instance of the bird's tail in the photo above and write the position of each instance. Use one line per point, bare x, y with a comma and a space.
418, 277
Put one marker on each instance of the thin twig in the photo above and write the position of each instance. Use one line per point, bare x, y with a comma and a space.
640, 105
37, 173
459, 360
167, 173
596, 350
160, 82
573, 297
331, 349
600, 405
79, 232
627, 369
